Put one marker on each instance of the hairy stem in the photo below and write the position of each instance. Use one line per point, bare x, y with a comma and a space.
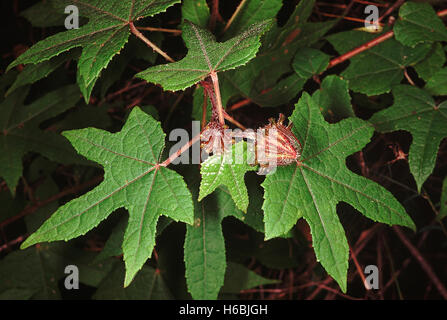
174, 31
236, 12
369, 45
149, 43
180, 151
219, 107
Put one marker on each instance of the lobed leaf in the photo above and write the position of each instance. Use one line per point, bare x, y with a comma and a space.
206, 56
312, 188
377, 69
101, 38
133, 179
20, 133
418, 23
415, 111
228, 169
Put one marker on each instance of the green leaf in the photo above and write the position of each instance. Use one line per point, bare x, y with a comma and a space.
101, 38
313, 187
10, 205
228, 169
196, 11
415, 111
253, 11
443, 209
86, 116
197, 105
238, 278
437, 85
418, 23
20, 133
34, 72
334, 99
133, 179
34, 272
377, 69
206, 56
272, 254
281, 93
148, 285
309, 62
204, 248
113, 247
432, 63
204, 253
267, 79
44, 15
135, 49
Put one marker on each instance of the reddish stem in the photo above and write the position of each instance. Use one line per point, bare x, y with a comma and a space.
424, 264
368, 45
398, 3
180, 151
32, 208
363, 47
239, 104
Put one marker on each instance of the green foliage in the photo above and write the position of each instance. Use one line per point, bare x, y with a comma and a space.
443, 210
148, 285
432, 63
20, 133
376, 70
253, 11
309, 62
133, 179
415, 111
204, 248
213, 230
312, 188
206, 56
101, 38
334, 99
437, 84
228, 169
266, 80
196, 11
239, 278
418, 23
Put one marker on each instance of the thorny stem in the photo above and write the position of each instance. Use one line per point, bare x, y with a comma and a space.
149, 43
